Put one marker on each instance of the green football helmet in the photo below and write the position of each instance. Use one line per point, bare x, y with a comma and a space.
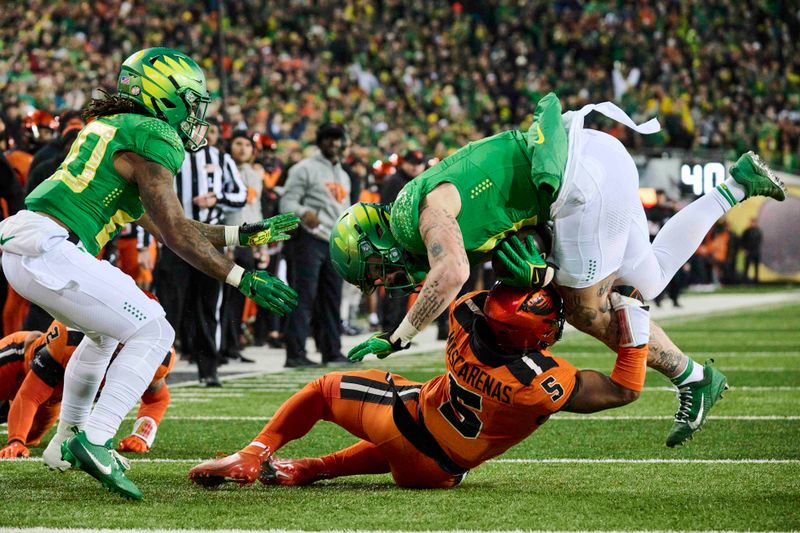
171, 87
361, 237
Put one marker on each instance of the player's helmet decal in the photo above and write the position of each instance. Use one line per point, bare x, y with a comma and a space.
524, 318
364, 251
171, 87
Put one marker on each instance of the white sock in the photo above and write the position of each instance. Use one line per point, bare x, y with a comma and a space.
728, 194
373, 318
128, 377
693, 372
82, 378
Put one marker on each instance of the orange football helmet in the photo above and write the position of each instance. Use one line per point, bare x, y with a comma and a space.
524, 318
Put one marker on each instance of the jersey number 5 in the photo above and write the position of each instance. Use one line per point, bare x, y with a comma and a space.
462, 410
553, 388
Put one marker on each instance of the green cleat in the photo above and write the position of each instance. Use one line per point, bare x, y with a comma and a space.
696, 400
756, 177
102, 463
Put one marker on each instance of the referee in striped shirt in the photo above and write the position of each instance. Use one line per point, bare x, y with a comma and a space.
208, 185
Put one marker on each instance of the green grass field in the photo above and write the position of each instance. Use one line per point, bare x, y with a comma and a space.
609, 471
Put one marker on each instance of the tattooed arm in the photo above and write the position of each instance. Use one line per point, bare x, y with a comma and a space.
214, 233
589, 311
165, 213
446, 255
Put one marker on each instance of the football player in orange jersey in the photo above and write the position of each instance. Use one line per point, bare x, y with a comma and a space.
501, 383
32, 368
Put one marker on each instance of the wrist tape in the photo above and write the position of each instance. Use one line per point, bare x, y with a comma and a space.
145, 428
404, 332
235, 276
231, 235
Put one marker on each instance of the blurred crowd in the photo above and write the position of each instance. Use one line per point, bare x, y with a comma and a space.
433, 75
723, 258
400, 84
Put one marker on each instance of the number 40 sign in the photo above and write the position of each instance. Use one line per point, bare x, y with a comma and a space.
702, 178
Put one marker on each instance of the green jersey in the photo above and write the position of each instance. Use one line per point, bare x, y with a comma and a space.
87, 193
498, 194
505, 182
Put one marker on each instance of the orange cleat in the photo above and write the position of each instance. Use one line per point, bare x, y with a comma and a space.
241, 468
292, 472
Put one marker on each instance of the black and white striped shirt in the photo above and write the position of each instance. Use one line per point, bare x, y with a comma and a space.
208, 170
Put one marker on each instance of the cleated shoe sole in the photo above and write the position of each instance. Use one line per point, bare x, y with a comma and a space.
101, 464
752, 173
241, 468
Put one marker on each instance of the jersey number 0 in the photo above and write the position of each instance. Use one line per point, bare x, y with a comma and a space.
80, 165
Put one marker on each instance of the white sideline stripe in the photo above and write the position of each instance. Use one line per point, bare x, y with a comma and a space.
81, 530
186, 394
747, 388
661, 417
541, 460
653, 461
220, 418
561, 418
285, 387
696, 355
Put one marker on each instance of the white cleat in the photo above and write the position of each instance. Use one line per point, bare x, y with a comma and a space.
52, 454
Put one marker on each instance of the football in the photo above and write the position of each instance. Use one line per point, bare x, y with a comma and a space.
542, 235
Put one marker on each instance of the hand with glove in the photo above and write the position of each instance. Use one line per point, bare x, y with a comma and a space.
523, 264
380, 344
133, 444
13, 450
142, 438
268, 291
263, 232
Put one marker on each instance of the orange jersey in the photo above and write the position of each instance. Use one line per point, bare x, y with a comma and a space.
61, 343
41, 389
12, 364
488, 401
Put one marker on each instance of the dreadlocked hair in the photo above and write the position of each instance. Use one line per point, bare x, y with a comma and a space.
112, 104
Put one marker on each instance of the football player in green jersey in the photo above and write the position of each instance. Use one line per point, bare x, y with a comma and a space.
121, 169
470, 205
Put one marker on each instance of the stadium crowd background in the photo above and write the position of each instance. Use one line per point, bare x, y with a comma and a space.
722, 76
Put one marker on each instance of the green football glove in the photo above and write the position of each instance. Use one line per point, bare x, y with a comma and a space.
524, 264
379, 344
268, 230
268, 291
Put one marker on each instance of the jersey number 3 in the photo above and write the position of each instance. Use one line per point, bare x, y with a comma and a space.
462, 410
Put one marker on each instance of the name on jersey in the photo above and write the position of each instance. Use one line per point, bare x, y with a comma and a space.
478, 379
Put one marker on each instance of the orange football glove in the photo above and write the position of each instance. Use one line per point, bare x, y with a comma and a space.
133, 444
13, 450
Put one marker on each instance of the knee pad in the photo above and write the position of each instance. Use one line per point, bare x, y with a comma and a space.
157, 332
143, 352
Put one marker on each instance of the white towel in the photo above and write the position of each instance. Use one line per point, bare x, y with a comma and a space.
573, 123
30, 234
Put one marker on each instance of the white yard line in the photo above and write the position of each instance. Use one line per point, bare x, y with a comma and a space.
653, 461
560, 418
88, 530
539, 460
721, 356
278, 387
